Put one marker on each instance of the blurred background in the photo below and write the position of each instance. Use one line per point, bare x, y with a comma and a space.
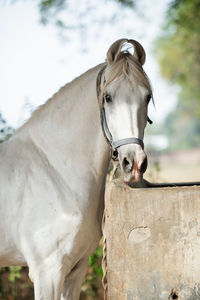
46, 43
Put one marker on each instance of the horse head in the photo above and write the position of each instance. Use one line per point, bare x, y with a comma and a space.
124, 95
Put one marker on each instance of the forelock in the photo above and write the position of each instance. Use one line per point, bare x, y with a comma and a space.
127, 67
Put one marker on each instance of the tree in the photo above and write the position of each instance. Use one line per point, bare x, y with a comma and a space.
177, 51
79, 19
50, 10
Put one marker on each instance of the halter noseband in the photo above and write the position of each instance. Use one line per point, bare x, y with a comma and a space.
107, 134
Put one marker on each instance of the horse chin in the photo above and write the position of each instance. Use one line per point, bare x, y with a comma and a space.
133, 178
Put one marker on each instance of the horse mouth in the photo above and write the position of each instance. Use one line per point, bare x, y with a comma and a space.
133, 166
133, 177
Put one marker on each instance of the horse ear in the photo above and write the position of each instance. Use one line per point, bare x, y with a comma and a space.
139, 52
114, 51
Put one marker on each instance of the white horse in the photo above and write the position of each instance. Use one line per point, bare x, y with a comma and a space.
53, 171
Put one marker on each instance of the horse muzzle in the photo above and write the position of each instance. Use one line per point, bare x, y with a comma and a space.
133, 165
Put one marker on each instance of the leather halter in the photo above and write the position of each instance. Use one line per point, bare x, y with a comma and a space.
107, 134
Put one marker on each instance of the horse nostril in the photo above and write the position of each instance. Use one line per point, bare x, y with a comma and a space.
127, 165
143, 166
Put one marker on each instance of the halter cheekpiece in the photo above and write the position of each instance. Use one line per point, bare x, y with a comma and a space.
107, 134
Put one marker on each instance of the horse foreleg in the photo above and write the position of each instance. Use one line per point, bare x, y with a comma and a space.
48, 284
73, 281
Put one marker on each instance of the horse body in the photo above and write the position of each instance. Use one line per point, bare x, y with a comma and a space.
47, 199
52, 177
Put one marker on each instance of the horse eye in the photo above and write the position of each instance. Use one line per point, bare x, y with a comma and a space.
148, 98
108, 98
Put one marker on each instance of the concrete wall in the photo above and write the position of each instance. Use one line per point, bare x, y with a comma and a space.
153, 243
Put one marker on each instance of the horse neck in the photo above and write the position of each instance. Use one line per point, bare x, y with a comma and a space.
67, 129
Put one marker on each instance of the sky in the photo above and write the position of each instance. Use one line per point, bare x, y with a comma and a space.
35, 60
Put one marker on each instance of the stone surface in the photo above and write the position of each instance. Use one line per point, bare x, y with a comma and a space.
153, 242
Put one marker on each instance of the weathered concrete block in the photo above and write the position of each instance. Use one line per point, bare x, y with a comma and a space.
153, 242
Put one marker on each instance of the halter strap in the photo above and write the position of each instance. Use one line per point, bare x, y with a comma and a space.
104, 125
107, 134
127, 141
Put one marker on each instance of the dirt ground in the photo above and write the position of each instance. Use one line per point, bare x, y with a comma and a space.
180, 166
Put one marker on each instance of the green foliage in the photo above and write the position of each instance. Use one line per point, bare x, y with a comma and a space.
14, 273
51, 11
95, 261
129, 3
2, 292
50, 8
54, 6
177, 51
92, 283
